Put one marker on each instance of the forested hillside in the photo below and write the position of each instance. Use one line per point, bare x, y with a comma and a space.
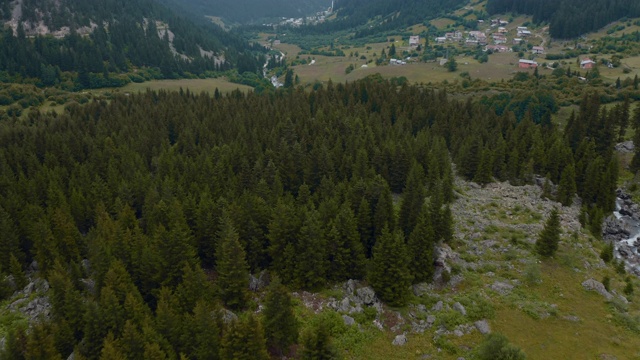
174, 197
122, 36
249, 11
569, 18
383, 15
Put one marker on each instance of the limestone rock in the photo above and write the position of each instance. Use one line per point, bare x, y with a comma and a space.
348, 320
256, 283
438, 306
366, 295
228, 316
625, 147
400, 340
460, 308
501, 288
350, 287
594, 285
483, 327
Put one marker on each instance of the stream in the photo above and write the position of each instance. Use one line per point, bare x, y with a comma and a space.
624, 230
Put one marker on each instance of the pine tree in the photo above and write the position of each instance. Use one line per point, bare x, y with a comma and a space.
346, 253
484, 173
389, 274
421, 248
207, 332
311, 264
316, 344
9, 241
567, 187
548, 240
365, 226
19, 277
233, 271
280, 323
244, 340
412, 199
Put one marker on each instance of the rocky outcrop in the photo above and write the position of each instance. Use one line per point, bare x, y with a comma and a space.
259, 281
594, 285
625, 147
483, 327
400, 340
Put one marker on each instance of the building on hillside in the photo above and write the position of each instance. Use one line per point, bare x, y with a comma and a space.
520, 28
441, 40
517, 41
497, 48
587, 63
502, 30
503, 22
527, 64
524, 33
537, 50
414, 41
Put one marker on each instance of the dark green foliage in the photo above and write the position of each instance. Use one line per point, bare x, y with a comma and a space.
280, 324
244, 340
607, 253
497, 347
547, 242
232, 268
421, 248
311, 254
389, 274
316, 344
628, 288
606, 281
346, 253
412, 199
15, 269
567, 186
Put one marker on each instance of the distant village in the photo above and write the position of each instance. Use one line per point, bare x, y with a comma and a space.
319, 17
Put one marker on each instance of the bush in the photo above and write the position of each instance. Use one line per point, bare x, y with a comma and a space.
607, 253
497, 347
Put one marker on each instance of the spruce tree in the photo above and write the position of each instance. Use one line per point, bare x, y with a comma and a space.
548, 240
316, 344
232, 268
389, 274
365, 226
567, 187
280, 323
346, 253
244, 340
484, 173
311, 264
19, 277
412, 199
421, 248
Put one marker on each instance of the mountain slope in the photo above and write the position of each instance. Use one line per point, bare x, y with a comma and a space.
247, 11
112, 36
569, 18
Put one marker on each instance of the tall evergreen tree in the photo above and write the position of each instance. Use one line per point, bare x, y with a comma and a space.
280, 323
548, 240
232, 268
389, 274
412, 199
567, 186
316, 344
421, 248
311, 255
346, 253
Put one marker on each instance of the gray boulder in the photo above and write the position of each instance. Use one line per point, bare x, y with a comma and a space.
594, 285
350, 287
625, 147
431, 319
400, 340
501, 288
460, 308
366, 295
348, 320
483, 327
344, 305
258, 282
438, 306
228, 316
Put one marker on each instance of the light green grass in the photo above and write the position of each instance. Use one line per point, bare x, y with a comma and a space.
194, 85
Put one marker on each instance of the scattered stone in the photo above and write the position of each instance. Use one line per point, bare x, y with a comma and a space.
431, 319
460, 308
228, 316
625, 147
256, 283
501, 288
438, 306
571, 318
594, 285
607, 357
72, 356
86, 266
458, 333
400, 340
350, 287
345, 305
348, 320
421, 289
366, 295
377, 323
483, 327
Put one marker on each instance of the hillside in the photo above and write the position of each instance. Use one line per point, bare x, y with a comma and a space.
98, 44
569, 18
252, 11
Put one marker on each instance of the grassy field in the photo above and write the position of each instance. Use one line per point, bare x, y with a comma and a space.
194, 85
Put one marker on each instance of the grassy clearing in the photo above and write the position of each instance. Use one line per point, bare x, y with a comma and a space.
194, 85
442, 23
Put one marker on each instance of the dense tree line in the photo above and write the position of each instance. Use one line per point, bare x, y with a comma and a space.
124, 36
389, 15
250, 11
569, 18
175, 197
